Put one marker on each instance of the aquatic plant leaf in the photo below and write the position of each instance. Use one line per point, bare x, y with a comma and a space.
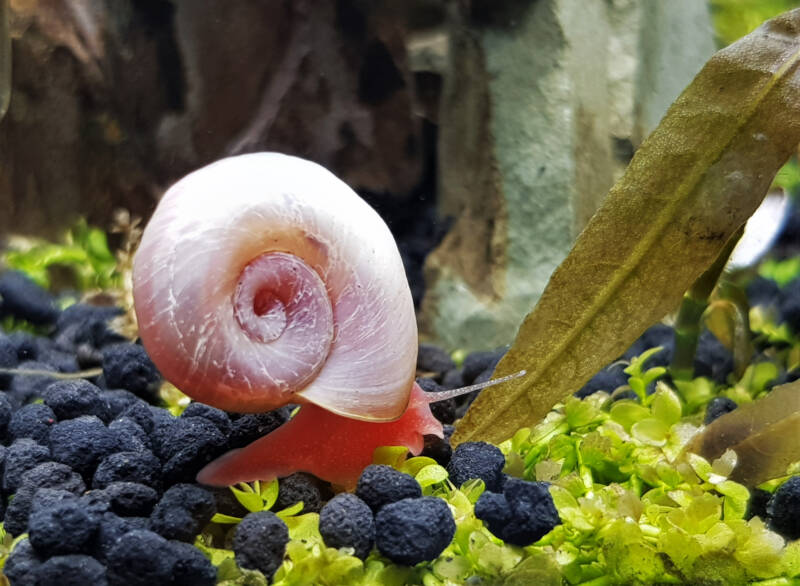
691, 185
764, 435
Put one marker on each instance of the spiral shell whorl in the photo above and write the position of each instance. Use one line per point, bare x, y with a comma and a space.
223, 323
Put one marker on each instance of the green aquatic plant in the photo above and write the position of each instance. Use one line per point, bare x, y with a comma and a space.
256, 497
83, 251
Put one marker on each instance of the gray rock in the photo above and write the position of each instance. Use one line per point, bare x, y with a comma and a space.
542, 109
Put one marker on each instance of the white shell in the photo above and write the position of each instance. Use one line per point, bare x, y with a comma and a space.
205, 232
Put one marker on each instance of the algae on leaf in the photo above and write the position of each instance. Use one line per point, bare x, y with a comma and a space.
692, 184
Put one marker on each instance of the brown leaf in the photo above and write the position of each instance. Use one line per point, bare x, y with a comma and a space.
693, 182
765, 435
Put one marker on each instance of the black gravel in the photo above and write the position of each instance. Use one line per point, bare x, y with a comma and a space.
380, 485
103, 480
260, 541
347, 521
414, 530
477, 460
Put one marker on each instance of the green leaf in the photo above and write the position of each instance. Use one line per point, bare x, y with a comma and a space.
636, 366
736, 498
393, 456
627, 412
225, 519
666, 406
690, 186
473, 489
290, 510
651, 431
249, 500
269, 494
415, 464
431, 475
780, 271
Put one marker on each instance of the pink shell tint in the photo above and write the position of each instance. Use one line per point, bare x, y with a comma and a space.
263, 280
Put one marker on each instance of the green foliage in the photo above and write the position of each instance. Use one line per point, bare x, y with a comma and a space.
84, 252
734, 19
257, 497
788, 178
780, 271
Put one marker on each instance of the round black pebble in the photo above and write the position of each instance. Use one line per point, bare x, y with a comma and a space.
717, 407
81, 443
380, 485
6, 411
252, 426
431, 358
477, 460
71, 570
72, 398
23, 564
190, 566
136, 559
66, 527
712, 359
522, 515
297, 487
23, 298
182, 512
141, 467
784, 509
477, 362
33, 421
21, 456
347, 521
187, 445
127, 366
130, 499
216, 416
607, 380
414, 530
260, 542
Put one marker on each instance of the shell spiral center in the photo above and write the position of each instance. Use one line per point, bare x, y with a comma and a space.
279, 296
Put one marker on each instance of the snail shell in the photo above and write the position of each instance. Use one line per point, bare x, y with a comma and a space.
263, 280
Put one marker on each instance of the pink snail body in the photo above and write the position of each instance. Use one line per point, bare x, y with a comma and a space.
263, 280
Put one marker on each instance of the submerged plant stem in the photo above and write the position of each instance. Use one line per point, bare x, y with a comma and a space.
690, 315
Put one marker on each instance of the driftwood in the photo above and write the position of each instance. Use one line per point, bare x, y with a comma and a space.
113, 100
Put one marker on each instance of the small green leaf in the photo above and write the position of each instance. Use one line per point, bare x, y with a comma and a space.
637, 364
626, 413
393, 456
249, 500
736, 499
415, 464
695, 393
666, 406
291, 510
431, 474
651, 431
269, 494
473, 489
225, 519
